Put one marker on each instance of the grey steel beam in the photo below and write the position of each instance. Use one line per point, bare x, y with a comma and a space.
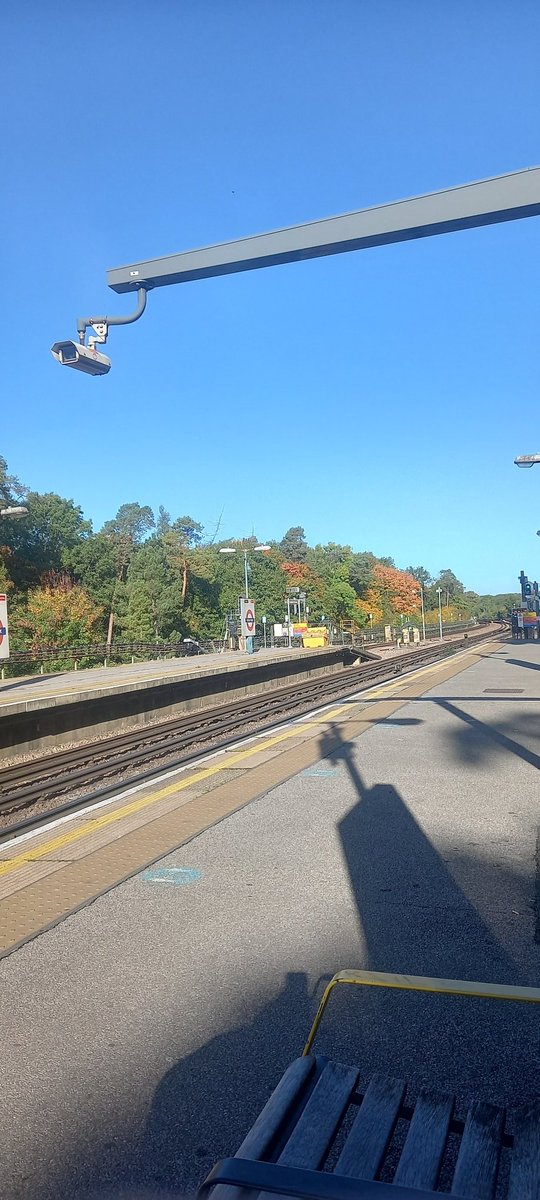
487, 202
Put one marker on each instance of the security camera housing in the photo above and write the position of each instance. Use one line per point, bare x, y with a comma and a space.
82, 358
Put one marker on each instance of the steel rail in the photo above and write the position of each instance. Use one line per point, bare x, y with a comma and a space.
55, 774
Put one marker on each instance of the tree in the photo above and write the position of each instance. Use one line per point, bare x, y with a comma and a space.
45, 538
422, 576
341, 601
125, 531
361, 571
371, 606
11, 488
398, 591
449, 584
163, 523
182, 537
293, 545
61, 615
130, 524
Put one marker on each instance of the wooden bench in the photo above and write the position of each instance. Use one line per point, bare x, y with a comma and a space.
320, 1137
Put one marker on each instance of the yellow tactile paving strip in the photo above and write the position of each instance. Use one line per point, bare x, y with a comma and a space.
50, 876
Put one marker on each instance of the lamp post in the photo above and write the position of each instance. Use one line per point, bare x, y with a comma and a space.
245, 551
423, 613
439, 590
15, 511
527, 460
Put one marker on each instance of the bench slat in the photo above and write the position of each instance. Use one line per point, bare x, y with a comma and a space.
279, 1109
422, 1154
366, 1145
312, 1136
524, 1183
259, 1139
475, 1175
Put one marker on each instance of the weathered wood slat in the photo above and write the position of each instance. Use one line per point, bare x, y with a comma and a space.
273, 1118
422, 1154
364, 1150
312, 1136
475, 1175
524, 1183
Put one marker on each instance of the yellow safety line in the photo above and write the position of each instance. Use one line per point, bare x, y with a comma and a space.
229, 760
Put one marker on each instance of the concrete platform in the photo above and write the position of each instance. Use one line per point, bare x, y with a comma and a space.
398, 832
39, 713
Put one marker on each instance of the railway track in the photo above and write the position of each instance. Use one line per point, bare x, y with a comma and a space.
46, 779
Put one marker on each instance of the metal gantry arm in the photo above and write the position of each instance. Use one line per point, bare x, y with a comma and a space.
487, 202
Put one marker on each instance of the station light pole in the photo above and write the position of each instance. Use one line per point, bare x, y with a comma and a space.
245, 551
14, 511
439, 590
527, 460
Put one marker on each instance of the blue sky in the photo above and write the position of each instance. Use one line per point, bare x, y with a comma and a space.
375, 398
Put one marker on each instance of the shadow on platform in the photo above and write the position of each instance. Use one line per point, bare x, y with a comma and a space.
414, 918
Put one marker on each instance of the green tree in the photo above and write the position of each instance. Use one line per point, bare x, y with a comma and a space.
293, 545
44, 539
180, 539
361, 571
12, 491
128, 528
422, 576
450, 585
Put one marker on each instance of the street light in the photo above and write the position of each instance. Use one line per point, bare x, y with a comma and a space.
527, 460
15, 511
233, 550
439, 590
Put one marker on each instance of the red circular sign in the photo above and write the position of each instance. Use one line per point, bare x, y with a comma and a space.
250, 620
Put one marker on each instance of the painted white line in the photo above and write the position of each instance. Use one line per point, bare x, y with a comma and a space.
82, 812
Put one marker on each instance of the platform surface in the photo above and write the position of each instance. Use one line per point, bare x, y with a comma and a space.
396, 832
44, 691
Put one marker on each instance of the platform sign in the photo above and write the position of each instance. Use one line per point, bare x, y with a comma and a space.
247, 617
4, 635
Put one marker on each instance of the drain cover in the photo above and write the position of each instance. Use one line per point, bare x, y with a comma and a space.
499, 691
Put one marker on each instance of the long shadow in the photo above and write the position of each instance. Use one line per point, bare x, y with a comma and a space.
6, 687
417, 920
520, 662
413, 918
475, 743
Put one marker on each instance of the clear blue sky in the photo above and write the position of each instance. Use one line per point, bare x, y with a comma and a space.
375, 398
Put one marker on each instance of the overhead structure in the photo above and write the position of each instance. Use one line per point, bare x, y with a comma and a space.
486, 202
504, 198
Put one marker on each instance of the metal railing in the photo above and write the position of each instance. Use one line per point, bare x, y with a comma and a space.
51, 658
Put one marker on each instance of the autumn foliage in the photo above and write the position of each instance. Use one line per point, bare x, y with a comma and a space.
398, 591
58, 616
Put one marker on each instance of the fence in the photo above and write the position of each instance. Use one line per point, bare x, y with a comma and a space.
43, 659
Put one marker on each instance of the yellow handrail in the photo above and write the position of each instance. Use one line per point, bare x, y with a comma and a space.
422, 983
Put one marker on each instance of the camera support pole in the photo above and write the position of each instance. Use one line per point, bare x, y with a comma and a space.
101, 324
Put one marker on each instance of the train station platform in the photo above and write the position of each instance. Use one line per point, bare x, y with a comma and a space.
44, 712
171, 943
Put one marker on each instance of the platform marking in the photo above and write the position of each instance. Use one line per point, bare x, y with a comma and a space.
177, 876
319, 771
227, 761
110, 818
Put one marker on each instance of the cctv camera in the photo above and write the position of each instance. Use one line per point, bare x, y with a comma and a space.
82, 358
